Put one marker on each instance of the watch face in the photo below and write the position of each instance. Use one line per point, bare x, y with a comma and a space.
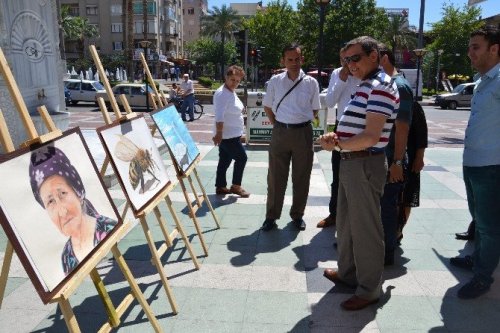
398, 162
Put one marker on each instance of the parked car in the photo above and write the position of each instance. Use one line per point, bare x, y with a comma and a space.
134, 92
67, 96
83, 90
460, 96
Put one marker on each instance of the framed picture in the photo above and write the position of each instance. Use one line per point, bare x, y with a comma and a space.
136, 161
177, 136
54, 209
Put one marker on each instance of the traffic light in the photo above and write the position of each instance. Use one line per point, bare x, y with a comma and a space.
253, 53
239, 37
258, 55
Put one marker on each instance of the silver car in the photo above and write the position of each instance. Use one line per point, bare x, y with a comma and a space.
83, 90
134, 92
460, 96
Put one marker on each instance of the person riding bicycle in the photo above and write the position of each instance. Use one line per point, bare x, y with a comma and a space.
174, 94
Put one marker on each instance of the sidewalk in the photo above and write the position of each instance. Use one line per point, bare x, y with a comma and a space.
272, 282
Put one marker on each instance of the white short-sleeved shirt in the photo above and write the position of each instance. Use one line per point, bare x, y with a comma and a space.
341, 92
187, 85
298, 106
228, 109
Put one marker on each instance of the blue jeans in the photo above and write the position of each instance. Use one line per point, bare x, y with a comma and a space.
188, 104
389, 211
230, 149
483, 196
332, 206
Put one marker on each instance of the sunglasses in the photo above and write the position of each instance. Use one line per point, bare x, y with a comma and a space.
354, 58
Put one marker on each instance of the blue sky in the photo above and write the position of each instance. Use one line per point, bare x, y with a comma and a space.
432, 7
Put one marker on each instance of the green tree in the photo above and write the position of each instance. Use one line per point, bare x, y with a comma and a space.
208, 51
279, 19
77, 29
221, 23
398, 35
451, 34
344, 20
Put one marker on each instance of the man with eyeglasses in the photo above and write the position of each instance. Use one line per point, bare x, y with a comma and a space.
361, 137
340, 91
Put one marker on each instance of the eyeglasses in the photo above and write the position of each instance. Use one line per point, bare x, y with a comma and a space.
354, 58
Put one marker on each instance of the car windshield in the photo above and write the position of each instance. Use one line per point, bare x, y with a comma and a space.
458, 89
98, 86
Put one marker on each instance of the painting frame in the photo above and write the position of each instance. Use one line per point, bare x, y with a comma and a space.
176, 135
36, 245
123, 142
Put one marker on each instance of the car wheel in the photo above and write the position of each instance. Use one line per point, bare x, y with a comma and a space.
452, 105
443, 106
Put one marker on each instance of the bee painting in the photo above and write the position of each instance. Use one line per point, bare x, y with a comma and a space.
141, 164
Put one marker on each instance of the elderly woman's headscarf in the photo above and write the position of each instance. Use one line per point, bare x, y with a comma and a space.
49, 161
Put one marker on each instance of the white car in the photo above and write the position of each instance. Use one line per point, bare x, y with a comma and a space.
134, 92
83, 90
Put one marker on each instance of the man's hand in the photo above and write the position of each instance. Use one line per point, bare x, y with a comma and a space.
344, 73
395, 173
418, 165
217, 139
328, 141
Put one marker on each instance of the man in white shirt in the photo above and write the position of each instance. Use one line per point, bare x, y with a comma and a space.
291, 102
340, 90
188, 96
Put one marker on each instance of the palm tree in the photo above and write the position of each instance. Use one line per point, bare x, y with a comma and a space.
399, 35
221, 22
77, 29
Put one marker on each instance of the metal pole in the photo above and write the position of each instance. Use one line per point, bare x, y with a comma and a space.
320, 44
145, 46
438, 68
420, 42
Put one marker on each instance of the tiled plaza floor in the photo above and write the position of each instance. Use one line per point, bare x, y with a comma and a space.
272, 282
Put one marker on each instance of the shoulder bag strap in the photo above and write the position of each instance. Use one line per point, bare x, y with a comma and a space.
289, 91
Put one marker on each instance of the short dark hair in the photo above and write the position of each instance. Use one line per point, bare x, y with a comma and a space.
384, 50
368, 44
290, 47
490, 33
235, 70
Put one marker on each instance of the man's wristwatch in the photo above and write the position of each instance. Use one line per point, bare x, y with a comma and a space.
398, 162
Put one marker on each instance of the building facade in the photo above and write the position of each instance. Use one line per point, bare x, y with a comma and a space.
164, 27
192, 12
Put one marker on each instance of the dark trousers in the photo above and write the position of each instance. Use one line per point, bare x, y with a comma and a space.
293, 145
483, 197
230, 149
332, 206
389, 211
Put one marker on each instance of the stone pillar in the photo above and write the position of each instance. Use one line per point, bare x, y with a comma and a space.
29, 38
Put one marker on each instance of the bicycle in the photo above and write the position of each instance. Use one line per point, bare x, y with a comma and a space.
198, 107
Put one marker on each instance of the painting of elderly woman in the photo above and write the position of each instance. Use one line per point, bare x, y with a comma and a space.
54, 206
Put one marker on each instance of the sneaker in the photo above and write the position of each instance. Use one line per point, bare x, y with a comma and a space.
222, 191
238, 190
462, 262
326, 222
473, 289
269, 224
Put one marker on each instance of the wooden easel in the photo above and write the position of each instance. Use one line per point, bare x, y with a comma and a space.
89, 267
156, 253
181, 175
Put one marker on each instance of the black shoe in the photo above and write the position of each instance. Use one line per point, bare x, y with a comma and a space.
473, 289
269, 224
469, 234
299, 224
190, 120
462, 262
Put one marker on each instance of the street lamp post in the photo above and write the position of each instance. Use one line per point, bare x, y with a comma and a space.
322, 6
145, 44
419, 53
439, 52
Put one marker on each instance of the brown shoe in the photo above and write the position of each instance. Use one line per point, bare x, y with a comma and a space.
357, 303
222, 191
326, 222
239, 191
333, 276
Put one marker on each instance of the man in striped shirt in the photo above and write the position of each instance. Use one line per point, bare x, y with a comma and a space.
361, 137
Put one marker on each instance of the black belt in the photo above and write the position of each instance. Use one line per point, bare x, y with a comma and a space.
299, 125
349, 155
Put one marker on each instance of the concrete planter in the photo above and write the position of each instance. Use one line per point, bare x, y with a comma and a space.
60, 119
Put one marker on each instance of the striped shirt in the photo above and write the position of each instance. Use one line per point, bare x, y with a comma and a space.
377, 94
